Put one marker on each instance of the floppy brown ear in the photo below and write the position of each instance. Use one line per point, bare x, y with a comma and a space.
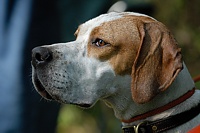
157, 63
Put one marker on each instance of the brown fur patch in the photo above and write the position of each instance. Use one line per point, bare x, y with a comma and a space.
123, 38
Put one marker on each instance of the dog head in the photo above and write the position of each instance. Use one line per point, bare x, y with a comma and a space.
111, 52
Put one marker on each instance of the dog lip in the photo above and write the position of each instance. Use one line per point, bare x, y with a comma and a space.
82, 105
41, 90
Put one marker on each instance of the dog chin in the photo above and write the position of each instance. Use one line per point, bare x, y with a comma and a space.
83, 105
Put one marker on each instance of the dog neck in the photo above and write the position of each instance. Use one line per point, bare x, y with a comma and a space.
125, 108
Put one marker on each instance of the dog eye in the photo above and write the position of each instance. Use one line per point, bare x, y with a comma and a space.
99, 42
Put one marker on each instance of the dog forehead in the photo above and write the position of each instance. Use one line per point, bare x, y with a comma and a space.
86, 28
110, 17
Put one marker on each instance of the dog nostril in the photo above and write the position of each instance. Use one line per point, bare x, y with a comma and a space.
38, 57
41, 55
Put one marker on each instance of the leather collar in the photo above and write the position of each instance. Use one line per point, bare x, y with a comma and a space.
166, 123
161, 125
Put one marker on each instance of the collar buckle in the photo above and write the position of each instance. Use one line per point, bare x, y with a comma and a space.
135, 129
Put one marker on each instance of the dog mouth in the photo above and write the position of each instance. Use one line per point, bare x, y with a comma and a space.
44, 93
40, 88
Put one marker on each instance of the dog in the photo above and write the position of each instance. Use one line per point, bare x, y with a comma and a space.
130, 61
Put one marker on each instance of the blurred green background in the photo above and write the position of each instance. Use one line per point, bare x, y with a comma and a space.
182, 17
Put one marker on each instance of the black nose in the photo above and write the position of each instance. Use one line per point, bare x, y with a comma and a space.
41, 55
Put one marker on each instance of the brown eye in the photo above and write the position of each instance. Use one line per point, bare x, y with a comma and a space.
99, 42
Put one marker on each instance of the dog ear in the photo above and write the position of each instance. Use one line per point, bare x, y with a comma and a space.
157, 63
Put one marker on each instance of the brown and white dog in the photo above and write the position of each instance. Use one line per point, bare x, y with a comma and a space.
128, 60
